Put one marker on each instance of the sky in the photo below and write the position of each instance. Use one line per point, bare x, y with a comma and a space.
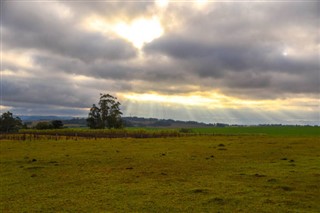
235, 62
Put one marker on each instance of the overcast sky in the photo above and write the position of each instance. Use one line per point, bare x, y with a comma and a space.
246, 62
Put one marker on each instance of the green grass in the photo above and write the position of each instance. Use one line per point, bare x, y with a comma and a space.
183, 174
296, 131
262, 130
104, 133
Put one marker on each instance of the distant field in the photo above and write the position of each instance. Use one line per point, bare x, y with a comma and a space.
182, 174
267, 130
250, 130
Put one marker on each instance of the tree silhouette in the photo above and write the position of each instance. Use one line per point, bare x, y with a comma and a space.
108, 115
8, 123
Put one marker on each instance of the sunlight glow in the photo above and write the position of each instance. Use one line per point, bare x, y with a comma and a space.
94, 23
4, 108
22, 60
61, 10
162, 3
140, 31
10, 73
216, 100
173, 99
200, 4
80, 78
293, 53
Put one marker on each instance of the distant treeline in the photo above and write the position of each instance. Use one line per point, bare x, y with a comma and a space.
147, 122
153, 122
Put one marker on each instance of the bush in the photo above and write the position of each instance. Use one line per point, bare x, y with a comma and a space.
8, 123
57, 124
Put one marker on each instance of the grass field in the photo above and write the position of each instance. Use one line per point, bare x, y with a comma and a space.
263, 130
241, 173
298, 131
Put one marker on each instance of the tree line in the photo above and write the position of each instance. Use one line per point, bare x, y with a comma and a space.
106, 114
9, 123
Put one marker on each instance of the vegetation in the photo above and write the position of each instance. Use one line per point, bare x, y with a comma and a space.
56, 124
306, 131
8, 123
108, 114
255, 173
43, 125
145, 122
105, 133
262, 130
185, 130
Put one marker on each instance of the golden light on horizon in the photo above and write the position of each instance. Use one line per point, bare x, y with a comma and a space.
210, 100
193, 100
216, 100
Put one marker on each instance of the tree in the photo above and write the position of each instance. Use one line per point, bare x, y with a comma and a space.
108, 115
8, 123
94, 120
57, 124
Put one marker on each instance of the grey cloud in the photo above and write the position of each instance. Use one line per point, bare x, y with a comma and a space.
40, 92
115, 70
247, 21
110, 9
34, 26
241, 46
152, 69
234, 56
249, 80
23, 108
233, 47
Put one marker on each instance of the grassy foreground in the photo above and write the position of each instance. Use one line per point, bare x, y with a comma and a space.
184, 174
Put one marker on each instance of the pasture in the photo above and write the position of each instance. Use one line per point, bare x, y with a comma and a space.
297, 131
239, 173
